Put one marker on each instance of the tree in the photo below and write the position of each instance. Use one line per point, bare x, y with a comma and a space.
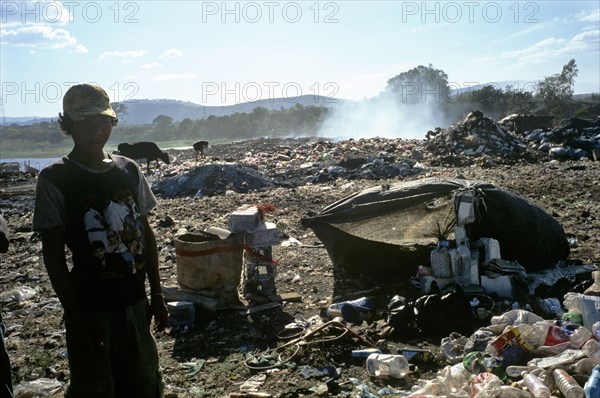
557, 90
419, 85
521, 102
186, 127
163, 121
119, 108
491, 100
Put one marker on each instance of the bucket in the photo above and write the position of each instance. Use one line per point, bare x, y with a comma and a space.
590, 310
206, 262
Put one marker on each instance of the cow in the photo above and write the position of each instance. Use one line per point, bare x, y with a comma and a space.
200, 147
143, 150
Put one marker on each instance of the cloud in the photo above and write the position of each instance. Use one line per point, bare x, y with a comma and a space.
171, 53
175, 76
39, 36
587, 16
18, 13
551, 47
151, 65
37, 24
123, 54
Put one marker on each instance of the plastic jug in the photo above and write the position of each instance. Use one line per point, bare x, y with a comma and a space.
387, 365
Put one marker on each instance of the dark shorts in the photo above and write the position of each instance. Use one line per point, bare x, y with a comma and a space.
120, 361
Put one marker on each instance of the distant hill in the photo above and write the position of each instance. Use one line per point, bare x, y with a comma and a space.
144, 111
26, 120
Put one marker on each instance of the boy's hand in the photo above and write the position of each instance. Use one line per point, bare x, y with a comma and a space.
159, 312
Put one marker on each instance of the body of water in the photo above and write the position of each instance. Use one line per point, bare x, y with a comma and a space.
36, 163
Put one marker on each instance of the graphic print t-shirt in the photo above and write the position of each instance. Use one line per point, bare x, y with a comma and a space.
100, 213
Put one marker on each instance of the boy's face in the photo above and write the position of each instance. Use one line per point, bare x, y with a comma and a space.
93, 132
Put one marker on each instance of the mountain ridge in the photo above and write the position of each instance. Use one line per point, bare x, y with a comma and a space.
144, 111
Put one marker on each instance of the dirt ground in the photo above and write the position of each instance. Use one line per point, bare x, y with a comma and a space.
227, 351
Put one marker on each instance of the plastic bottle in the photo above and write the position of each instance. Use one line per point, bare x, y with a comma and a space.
535, 386
387, 365
511, 392
484, 383
433, 388
592, 386
567, 384
517, 371
572, 302
580, 336
364, 353
596, 330
583, 367
567, 356
462, 270
592, 350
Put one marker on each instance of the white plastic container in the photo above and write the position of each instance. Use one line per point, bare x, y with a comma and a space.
441, 262
580, 336
465, 213
462, 266
590, 310
491, 248
387, 365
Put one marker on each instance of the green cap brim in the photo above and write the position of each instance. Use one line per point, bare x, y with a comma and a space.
80, 114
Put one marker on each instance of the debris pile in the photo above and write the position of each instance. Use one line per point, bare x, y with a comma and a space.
520, 354
475, 136
576, 139
212, 179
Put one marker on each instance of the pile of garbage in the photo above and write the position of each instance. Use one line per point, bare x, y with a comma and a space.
517, 354
522, 355
579, 138
475, 136
212, 179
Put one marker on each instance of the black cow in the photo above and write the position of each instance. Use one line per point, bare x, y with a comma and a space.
143, 150
200, 147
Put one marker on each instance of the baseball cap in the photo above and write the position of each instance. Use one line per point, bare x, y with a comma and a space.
83, 100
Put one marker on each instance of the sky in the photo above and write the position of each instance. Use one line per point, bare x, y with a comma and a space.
226, 52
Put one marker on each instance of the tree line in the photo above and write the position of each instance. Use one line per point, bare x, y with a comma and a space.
552, 96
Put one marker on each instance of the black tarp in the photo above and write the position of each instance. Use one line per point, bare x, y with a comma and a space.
393, 228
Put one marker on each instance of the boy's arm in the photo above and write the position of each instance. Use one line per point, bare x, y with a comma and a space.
53, 250
157, 301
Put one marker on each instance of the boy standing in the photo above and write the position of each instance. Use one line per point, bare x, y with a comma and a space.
111, 351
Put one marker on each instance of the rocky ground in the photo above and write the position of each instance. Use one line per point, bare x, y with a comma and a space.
226, 351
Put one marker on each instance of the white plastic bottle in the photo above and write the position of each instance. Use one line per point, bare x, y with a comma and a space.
511, 392
535, 386
517, 371
432, 388
462, 270
387, 365
567, 384
580, 336
592, 350
583, 367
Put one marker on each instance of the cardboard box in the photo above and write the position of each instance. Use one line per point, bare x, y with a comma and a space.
265, 234
245, 219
